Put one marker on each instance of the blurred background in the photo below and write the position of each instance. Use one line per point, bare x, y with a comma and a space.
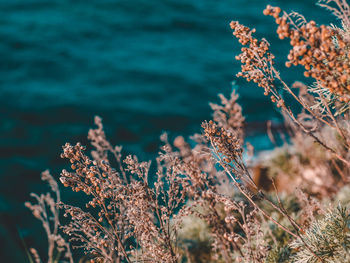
144, 66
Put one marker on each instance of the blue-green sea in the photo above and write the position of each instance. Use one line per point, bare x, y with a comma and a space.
144, 66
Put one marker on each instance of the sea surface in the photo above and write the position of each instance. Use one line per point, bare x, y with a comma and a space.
144, 66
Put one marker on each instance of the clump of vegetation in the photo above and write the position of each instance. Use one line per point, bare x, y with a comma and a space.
206, 203
328, 237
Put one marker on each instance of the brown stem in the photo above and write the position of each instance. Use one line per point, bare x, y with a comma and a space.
295, 225
116, 156
247, 196
298, 100
310, 133
115, 232
340, 131
342, 175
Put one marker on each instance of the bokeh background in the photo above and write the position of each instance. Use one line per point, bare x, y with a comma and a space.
144, 66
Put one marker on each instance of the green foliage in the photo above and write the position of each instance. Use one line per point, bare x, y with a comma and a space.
328, 238
194, 239
279, 255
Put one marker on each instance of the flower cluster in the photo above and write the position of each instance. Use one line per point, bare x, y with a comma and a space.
319, 49
228, 115
126, 211
255, 58
47, 212
225, 142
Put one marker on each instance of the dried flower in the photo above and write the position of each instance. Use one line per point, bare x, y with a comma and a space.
319, 49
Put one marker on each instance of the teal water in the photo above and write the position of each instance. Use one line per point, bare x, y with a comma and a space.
144, 66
